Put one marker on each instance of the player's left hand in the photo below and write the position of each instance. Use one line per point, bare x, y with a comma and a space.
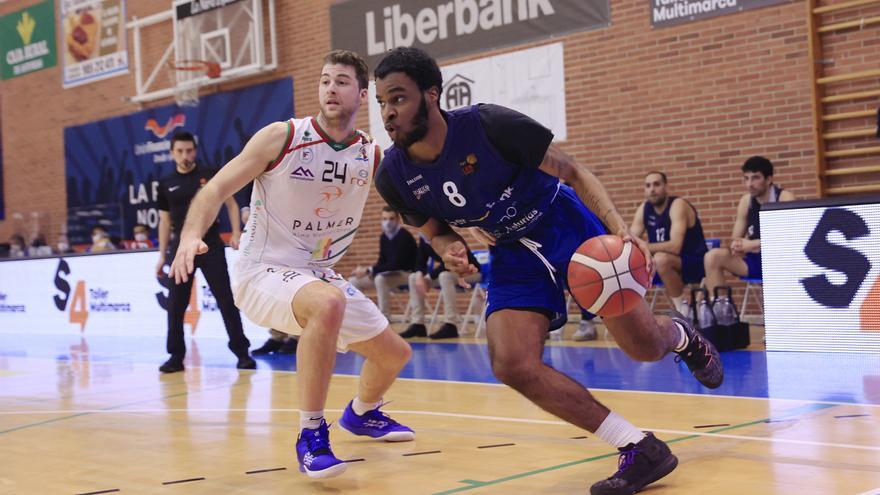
643, 246
234, 240
184, 260
456, 260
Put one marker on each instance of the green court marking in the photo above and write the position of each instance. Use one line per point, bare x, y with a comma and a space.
473, 484
71, 416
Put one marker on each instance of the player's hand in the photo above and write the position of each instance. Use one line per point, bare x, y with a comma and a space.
483, 236
736, 247
234, 240
159, 267
456, 260
184, 260
643, 246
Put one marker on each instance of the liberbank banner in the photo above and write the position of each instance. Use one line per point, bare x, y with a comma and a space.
449, 28
672, 12
106, 294
116, 163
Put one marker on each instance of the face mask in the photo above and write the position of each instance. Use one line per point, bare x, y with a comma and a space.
140, 237
97, 238
62, 246
390, 227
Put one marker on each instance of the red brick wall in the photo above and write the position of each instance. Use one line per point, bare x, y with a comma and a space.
693, 101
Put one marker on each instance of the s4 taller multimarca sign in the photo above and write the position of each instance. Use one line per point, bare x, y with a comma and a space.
454, 27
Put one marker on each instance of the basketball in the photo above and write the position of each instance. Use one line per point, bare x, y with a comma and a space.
607, 276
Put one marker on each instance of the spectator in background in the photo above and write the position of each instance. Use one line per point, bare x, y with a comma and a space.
39, 247
141, 234
675, 237
100, 240
743, 256
397, 257
62, 246
17, 246
434, 275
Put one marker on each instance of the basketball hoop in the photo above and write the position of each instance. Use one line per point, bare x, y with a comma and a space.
186, 91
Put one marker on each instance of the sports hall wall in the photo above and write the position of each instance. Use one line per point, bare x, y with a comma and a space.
692, 100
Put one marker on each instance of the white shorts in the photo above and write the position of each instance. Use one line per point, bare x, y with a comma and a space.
264, 293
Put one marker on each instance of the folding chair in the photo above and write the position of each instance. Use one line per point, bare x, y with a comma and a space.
756, 284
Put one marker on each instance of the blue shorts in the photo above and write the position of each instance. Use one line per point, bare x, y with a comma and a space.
521, 279
753, 261
692, 268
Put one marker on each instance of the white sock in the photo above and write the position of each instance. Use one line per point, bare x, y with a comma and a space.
618, 432
360, 407
683, 338
310, 419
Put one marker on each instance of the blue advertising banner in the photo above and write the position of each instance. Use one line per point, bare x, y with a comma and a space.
113, 166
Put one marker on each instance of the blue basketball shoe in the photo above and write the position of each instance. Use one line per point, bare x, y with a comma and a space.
314, 454
376, 424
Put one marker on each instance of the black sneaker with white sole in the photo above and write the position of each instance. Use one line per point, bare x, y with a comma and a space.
700, 355
638, 466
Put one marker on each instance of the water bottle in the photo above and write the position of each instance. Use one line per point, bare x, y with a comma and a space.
725, 312
704, 314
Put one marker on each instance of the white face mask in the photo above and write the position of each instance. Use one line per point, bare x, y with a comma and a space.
96, 238
62, 246
390, 227
140, 237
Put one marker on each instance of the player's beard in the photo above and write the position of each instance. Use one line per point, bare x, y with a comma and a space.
659, 201
340, 120
419, 128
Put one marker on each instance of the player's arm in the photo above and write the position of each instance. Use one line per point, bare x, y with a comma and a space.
253, 160
164, 236
637, 228
738, 235
754, 245
593, 194
678, 217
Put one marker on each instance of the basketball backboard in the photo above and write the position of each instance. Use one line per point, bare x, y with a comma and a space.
237, 35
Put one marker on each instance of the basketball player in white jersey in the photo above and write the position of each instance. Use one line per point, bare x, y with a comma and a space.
311, 180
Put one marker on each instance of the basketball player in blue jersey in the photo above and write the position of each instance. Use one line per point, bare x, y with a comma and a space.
742, 257
490, 167
675, 237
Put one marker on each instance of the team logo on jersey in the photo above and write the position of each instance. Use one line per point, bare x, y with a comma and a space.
469, 164
362, 155
302, 173
421, 191
306, 155
329, 196
415, 179
307, 137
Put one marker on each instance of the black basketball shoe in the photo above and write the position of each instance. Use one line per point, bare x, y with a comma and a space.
700, 355
638, 466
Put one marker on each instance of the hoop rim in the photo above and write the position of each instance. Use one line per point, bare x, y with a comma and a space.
211, 69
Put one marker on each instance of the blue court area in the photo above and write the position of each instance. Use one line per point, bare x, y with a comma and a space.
823, 377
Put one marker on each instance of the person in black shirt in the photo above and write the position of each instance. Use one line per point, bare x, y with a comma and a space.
742, 256
675, 237
175, 192
397, 259
435, 275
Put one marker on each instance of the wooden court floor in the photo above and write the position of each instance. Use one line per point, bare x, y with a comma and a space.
105, 422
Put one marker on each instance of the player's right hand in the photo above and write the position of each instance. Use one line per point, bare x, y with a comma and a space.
184, 260
456, 260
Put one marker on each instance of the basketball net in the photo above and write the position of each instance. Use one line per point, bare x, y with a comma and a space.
186, 88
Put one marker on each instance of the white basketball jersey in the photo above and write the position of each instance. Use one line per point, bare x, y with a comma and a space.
307, 206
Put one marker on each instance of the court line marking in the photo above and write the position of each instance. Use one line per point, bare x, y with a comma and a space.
712, 433
473, 484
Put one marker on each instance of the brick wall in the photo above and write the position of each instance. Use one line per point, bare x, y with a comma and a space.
693, 101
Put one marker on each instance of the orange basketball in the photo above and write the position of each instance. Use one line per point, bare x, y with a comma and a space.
607, 276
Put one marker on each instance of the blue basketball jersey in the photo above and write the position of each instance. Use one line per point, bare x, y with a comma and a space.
659, 226
470, 184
